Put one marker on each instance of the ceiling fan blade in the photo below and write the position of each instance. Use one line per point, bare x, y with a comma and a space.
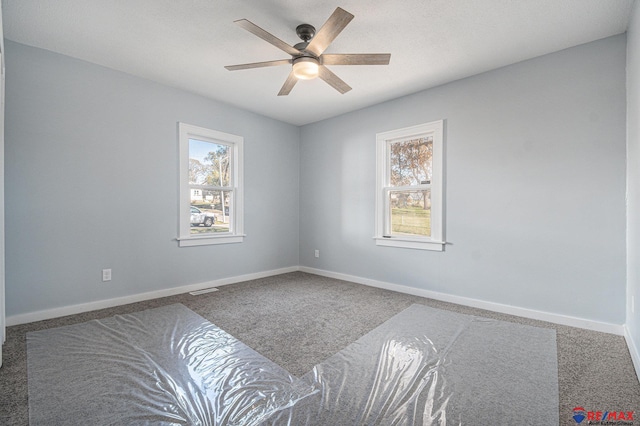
288, 84
258, 65
333, 80
266, 36
329, 31
356, 59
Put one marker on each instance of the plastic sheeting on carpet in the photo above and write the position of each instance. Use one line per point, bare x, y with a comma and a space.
160, 366
424, 366
427, 366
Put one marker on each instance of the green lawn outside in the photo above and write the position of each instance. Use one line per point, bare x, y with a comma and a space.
411, 221
204, 230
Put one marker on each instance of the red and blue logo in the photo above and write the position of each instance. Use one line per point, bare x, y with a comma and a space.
579, 414
598, 417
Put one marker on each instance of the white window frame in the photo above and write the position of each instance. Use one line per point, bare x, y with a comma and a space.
236, 210
384, 140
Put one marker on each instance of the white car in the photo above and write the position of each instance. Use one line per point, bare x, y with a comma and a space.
198, 217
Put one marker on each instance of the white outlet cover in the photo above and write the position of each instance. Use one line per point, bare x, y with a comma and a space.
106, 275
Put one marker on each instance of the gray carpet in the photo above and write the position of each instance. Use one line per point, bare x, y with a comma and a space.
297, 320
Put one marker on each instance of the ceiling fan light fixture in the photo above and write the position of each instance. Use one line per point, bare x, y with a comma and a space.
305, 68
308, 59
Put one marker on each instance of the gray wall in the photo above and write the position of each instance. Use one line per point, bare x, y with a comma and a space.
535, 186
633, 174
92, 183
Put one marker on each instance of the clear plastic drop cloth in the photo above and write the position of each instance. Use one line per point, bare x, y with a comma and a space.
166, 366
427, 366
169, 366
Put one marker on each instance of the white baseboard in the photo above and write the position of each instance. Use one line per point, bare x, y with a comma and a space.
475, 303
109, 303
633, 350
604, 327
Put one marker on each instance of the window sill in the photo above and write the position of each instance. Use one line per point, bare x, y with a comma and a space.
410, 243
208, 240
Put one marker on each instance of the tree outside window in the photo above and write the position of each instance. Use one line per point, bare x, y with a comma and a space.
411, 166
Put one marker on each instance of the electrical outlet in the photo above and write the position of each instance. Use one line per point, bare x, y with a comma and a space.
106, 275
317, 253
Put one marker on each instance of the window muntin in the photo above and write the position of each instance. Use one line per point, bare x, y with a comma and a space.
210, 186
409, 187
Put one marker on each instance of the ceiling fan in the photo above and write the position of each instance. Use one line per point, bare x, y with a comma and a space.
308, 57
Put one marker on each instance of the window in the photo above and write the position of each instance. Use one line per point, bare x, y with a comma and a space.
409, 203
210, 187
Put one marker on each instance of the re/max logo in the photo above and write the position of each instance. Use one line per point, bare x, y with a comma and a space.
609, 415
581, 414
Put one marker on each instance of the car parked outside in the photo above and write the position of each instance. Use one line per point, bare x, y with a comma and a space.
198, 217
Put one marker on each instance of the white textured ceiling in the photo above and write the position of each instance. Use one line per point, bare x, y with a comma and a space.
187, 43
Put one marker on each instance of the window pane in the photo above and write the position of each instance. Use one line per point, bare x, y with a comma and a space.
411, 161
210, 211
410, 213
209, 163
